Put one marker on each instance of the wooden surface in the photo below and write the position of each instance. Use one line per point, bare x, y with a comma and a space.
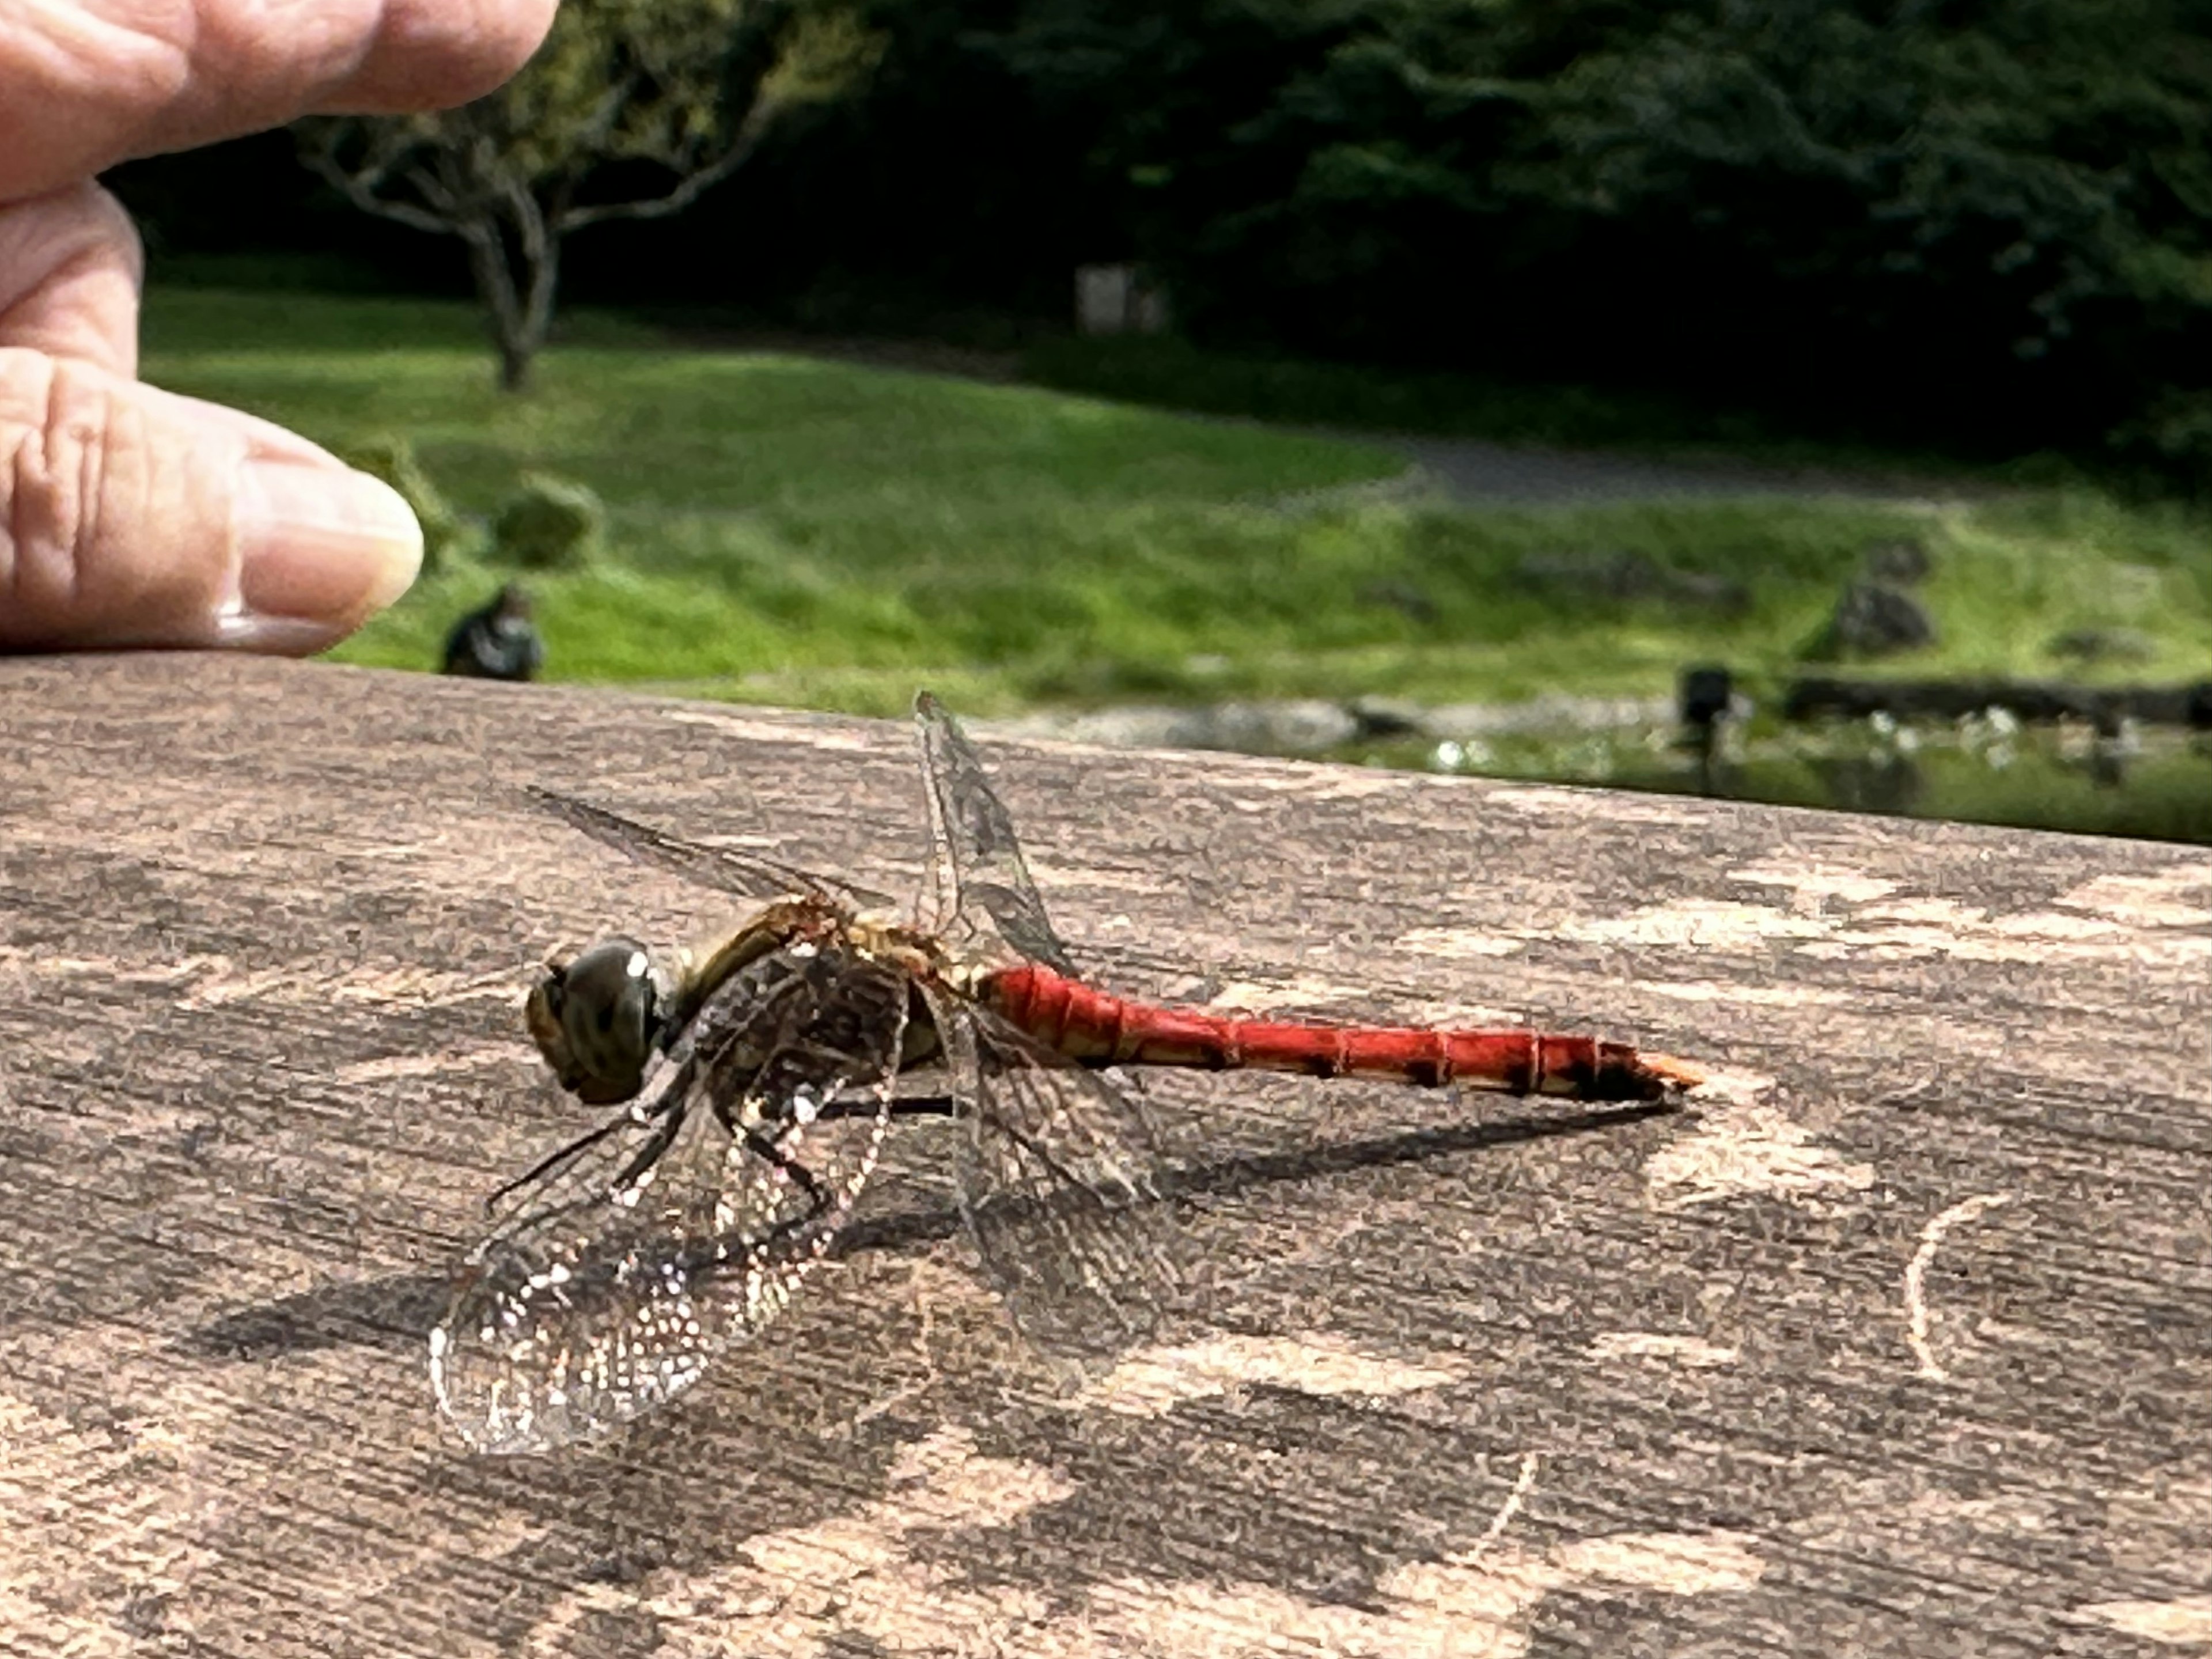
1899, 1341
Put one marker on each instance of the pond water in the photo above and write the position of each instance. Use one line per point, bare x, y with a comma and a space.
2150, 783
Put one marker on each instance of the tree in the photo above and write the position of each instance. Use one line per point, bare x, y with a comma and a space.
685, 89
1973, 222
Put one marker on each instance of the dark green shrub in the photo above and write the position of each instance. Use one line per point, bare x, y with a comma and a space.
445, 535
550, 524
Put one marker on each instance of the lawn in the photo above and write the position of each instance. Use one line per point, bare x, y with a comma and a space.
799, 530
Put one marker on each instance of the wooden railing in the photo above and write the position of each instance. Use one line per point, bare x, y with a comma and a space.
1895, 1338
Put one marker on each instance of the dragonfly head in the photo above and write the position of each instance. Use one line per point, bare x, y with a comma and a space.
597, 1019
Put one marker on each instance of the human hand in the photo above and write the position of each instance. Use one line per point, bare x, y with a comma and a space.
131, 516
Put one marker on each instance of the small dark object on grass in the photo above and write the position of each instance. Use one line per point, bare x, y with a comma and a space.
1900, 563
2197, 711
2104, 645
1703, 696
1874, 620
497, 641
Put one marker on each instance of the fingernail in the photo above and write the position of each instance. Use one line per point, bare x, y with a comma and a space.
319, 545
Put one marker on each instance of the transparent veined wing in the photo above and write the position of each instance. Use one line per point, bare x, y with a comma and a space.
726, 869
987, 889
687, 1223
1059, 1184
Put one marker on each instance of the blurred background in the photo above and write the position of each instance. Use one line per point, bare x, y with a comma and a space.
1806, 401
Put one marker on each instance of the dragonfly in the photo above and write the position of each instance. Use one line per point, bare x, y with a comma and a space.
758, 1078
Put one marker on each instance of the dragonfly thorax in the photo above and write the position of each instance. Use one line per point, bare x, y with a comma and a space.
597, 1019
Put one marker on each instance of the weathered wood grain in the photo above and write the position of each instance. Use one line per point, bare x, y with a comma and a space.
1899, 1340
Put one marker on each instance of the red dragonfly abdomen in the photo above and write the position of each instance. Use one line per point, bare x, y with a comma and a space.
1099, 1028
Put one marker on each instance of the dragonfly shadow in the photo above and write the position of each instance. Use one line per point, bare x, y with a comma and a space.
1247, 1171
397, 1312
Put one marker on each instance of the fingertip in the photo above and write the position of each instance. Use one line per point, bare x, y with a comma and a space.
141, 519
320, 550
435, 54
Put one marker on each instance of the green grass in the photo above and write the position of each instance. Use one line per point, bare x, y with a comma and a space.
1172, 374
801, 530
1177, 374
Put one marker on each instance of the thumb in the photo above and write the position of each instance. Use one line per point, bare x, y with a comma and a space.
130, 516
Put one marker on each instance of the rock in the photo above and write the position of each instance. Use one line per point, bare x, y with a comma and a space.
1308, 726
1144, 726
2088, 645
1900, 563
1622, 576
1552, 712
1871, 620
1305, 727
1388, 717
1617, 575
1314, 727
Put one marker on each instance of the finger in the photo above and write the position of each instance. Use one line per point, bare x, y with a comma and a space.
134, 517
69, 272
84, 86
267, 439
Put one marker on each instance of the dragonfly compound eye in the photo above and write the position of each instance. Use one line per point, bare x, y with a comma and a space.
597, 1018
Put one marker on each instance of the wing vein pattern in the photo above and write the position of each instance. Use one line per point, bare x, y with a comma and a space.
689, 1225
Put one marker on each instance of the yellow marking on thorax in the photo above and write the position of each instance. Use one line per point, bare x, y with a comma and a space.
702, 969
897, 946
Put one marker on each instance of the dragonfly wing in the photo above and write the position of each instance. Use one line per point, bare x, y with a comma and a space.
987, 887
726, 869
812, 1116
1059, 1186
581, 1308
614, 1282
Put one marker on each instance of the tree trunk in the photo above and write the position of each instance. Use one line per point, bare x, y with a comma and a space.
495, 286
516, 283
541, 259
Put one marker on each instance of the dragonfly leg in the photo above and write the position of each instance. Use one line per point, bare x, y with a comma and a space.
902, 1106
648, 1155
801, 1176
770, 1148
545, 1165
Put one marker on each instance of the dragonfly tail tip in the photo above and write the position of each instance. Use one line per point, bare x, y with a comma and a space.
1673, 1073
